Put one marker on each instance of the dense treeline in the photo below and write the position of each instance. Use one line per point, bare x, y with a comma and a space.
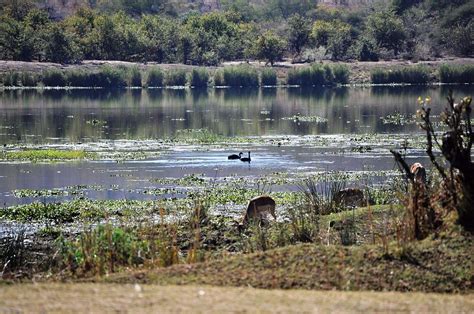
151, 30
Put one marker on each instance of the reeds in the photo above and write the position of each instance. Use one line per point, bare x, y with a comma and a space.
456, 74
319, 75
199, 77
175, 78
268, 77
405, 75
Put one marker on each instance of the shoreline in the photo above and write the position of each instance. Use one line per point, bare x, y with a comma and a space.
359, 72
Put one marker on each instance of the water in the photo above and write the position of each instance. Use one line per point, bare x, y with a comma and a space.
93, 117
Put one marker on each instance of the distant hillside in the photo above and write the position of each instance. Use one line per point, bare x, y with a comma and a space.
60, 8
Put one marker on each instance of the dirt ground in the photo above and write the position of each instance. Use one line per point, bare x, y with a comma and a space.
99, 298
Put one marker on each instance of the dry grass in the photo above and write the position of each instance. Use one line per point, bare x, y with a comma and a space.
99, 298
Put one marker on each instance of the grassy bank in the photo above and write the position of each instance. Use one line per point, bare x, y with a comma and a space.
433, 265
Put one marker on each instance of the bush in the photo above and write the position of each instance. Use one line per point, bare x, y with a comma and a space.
176, 78
54, 78
240, 76
301, 77
155, 78
199, 77
456, 73
406, 75
269, 77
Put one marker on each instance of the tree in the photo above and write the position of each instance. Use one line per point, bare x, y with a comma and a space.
336, 36
60, 46
270, 47
299, 30
387, 30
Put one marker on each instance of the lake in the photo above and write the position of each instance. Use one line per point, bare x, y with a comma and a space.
291, 132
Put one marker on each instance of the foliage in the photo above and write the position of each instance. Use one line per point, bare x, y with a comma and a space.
270, 47
387, 30
299, 31
148, 30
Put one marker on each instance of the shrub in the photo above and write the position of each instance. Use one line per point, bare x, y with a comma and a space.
175, 78
243, 76
155, 78
54, 78
406, 75
269, 77
301, 77
456, 73
199, 77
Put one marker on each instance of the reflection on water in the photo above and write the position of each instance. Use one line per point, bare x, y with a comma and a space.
32, 116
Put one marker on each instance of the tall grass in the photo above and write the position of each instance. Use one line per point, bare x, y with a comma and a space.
106, 249
240, 76
175, 78
135, 77
405, 75
456, 74
54, 78
199, 77
155, 78
319, 75
268, 77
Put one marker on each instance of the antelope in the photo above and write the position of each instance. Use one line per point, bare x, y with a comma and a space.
350, 197
419, 173
258, 208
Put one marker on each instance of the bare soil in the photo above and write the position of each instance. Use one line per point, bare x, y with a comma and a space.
99, 298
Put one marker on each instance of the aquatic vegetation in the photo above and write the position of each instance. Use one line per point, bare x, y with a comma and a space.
201, 136
300, 118
45, 155
398, 119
